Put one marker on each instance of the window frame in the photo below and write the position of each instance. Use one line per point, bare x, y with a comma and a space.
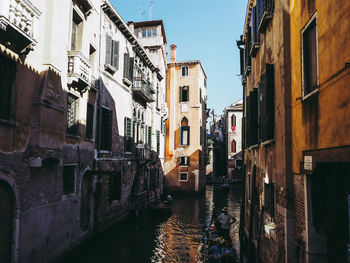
182, 88
181, 180
75, 131
11, 65
312, 19
89, 126
73, 192
115, 182
182, 71
102, 128
184, 161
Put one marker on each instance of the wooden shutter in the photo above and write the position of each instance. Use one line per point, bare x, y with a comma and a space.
310, 58
89, 120
107, 125
126, 66
262, 106
248, 121
131, 69
270, 101
109, 50
115, 54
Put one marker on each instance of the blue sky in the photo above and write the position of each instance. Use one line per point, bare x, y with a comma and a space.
202, 29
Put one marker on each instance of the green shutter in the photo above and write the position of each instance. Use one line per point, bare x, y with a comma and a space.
158, 141
149, 142
115, 54
109, 50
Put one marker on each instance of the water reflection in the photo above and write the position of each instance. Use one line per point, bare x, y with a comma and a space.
171, 239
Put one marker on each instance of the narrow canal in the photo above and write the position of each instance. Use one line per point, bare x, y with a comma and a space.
172, 239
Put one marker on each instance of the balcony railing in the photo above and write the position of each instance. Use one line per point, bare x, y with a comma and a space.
79, 70
265, 11
143, 89
19, 20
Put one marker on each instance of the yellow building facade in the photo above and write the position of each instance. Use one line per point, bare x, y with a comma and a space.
320, 111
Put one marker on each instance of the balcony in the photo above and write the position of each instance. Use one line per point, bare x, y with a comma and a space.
19, 21
143, 89
164, 110
264, 13
79, 70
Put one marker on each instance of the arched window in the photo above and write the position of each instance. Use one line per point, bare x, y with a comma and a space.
233, 146
233, 122
184, 132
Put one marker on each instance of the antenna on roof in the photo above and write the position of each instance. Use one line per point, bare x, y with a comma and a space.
141, 14
150, 10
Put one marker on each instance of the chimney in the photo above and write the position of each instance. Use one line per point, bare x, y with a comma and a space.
131, 27
173, 53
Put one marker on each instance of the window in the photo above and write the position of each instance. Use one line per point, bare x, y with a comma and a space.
72, 109
310, 81
89, 121
115, 187
183, 177
184, 132
68, 179
77, 29
106, 129
127, 135
266, 104
184, 161
269, 200
184, 92
150, 32
184, 71
233, 146
112, 52
7, 78
233, 122
149, 136
157, 98
128, 67
158, 141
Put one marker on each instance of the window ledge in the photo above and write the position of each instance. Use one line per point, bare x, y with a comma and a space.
311, 94
268, 142
127, 82
103, 151
183, 180
109, 68
72, 136
255, 146
183, 146
8, 123
68, 196
270, 230
89, 140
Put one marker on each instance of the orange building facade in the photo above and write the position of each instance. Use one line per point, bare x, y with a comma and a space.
186, 126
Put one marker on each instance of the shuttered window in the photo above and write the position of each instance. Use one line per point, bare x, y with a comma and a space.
89, 121
184, 71
185, 135
7, 78
184, 160
112, 52
106, 129
270, 200
158, 141
128, 135
266, 104
149, 136
72, 109
310, 58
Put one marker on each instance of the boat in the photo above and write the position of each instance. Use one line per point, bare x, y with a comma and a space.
212, 234
161, 209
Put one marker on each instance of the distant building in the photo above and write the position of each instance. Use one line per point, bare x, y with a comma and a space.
232, 131
186, 127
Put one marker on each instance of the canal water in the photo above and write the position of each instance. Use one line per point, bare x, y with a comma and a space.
172, 239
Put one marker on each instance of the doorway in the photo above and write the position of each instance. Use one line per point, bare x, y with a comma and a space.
6, 222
